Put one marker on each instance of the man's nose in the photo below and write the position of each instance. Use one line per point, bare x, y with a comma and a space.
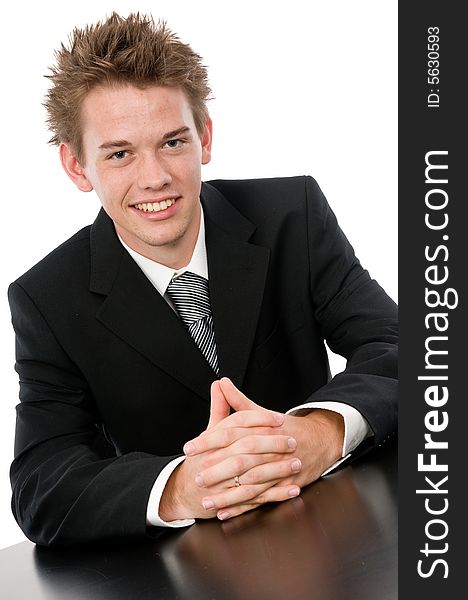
153, 172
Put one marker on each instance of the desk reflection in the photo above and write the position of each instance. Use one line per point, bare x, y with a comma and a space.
337, 541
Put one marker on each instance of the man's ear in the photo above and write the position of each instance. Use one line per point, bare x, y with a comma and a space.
206, 139
73, 168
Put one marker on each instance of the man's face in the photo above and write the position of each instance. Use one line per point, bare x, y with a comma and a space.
143, 157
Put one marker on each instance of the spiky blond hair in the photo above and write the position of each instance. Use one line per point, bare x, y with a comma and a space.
133, 50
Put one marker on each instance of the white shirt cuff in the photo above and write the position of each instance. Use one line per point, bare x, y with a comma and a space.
356, 427
152, 510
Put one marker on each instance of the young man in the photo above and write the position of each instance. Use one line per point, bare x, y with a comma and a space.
171, 356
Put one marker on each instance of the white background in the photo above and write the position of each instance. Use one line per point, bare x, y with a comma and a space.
300, 88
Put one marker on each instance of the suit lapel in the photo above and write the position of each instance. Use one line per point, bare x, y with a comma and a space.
237, 273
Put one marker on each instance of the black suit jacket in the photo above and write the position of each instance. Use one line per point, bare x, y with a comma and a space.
112, 385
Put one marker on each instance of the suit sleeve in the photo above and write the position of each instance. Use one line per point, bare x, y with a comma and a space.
357, 319
68, 483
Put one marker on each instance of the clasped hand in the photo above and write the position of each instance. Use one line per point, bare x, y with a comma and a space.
252, 456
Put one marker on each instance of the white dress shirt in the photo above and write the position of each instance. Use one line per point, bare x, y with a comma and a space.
356, 427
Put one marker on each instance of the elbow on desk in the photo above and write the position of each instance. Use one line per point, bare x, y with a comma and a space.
36, 518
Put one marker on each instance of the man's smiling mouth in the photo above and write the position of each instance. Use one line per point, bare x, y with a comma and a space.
155, 206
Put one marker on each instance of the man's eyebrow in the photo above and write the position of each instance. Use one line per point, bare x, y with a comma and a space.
175, 133
114, 144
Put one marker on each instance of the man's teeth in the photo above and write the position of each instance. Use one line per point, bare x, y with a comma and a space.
155, 206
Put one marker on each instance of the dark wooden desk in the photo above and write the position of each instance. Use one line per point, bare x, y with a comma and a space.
337, 541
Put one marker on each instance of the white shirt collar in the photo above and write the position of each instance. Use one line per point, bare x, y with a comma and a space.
160, 275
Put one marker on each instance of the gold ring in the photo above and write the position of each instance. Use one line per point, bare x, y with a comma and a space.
236, 481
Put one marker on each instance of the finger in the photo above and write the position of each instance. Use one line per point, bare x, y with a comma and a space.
254, 418
231, 429
220, 408
253, 468
277, 470
235, 397
224, 471
230, 500
240, 441
261, 444
243, 494
274, 494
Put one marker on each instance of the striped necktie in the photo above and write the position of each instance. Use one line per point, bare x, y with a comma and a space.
191, 297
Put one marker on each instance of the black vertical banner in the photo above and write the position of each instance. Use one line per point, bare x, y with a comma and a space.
433, 225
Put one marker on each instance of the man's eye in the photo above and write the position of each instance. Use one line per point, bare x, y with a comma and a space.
120, 154
174, 143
